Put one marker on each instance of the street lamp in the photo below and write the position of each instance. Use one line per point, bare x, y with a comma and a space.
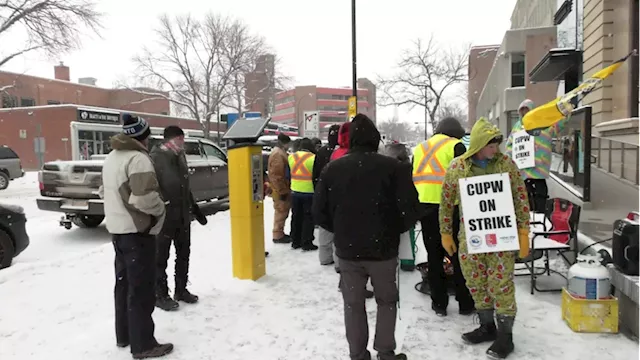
353, 51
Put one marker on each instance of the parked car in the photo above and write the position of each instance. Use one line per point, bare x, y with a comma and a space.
71, 187
13, 234
10, 166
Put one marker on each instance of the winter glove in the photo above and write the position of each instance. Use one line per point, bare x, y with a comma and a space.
523, 239
448, 244
284, 197
199, 215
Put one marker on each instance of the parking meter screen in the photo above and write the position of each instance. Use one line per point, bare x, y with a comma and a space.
246, 129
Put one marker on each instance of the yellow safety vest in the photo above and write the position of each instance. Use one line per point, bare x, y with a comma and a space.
430, 162
301, 166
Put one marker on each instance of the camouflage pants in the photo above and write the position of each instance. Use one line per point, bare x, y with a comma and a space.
489, 278
280, 216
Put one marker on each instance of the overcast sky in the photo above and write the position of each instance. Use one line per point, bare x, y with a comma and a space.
313, 38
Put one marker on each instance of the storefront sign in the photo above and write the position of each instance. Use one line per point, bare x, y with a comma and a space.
90, 115
524, 150
489, 216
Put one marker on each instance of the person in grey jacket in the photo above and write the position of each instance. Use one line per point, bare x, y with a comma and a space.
171, 166
134, 213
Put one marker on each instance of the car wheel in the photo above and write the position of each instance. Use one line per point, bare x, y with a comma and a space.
4, 180
6, 250
88, 221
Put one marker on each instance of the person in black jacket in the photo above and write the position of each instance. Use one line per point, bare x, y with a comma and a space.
367, 200
171, 166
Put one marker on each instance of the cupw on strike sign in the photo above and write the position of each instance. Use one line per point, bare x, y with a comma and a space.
489, 215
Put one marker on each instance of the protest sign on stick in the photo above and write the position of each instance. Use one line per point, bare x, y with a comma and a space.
489, 215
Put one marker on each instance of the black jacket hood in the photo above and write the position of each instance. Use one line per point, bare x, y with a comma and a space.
451, 127
332, 137
363, 135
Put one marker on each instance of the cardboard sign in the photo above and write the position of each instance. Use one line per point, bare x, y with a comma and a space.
523, 150
489, 215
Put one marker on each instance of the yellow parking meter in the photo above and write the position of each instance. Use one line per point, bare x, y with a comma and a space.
246, 195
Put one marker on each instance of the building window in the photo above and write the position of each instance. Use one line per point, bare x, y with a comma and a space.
288, 110
332, 108
9, 101
517, 70
26, 102
333, 119
285, 100
53, 102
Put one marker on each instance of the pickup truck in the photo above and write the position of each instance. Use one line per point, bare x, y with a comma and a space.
71, 187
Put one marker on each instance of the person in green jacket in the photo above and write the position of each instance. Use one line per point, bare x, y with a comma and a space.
489, 276
535, 177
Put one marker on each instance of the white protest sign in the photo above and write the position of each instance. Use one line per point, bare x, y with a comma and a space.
311, 124
523, 150
489, 215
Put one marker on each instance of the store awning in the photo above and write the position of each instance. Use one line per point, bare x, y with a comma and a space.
555, 64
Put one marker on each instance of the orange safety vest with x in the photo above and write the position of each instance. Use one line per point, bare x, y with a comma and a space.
431, 160
301, 165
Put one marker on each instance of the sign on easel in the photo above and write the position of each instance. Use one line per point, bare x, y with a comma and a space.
523, 150
311, 124
489, 215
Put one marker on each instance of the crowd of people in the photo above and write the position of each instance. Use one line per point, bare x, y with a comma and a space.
357, 194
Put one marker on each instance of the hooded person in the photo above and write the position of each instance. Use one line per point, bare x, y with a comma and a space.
430, 161
343, 142
367, 200
301, 165
326, 252
171, 167
535, 176
489, 275
317, 143
134, 214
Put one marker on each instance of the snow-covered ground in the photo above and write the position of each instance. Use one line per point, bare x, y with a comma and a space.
57, 302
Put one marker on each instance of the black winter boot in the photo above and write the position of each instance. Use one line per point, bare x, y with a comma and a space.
166, 303
486, 332
503, 346
286, 239
186, 296
397, 357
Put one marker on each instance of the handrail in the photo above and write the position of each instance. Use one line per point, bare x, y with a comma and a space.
616, 157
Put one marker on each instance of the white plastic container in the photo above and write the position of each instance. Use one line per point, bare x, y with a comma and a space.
588, 279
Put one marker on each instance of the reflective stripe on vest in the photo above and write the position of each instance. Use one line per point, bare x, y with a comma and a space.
431, 161
435, 174
301, 171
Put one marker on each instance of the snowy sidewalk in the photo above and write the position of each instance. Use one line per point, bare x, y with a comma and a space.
64, 310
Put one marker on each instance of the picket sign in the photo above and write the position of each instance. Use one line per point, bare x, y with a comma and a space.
489, 215
404, 250
523, 150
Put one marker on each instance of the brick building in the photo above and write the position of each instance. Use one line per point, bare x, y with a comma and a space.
51, 119
332, 104
261, 86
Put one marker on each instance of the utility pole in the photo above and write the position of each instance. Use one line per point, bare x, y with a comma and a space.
634, 63
354, 51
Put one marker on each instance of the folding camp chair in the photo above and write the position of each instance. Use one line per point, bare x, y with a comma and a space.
562, 237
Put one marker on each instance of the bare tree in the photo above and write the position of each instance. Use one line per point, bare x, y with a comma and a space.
53, 26
425, 72
394, 129
454, 110
196, 63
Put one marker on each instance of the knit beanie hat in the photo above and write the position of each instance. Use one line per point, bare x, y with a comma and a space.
135, 127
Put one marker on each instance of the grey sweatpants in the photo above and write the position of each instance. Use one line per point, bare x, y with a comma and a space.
326, 249
354, 276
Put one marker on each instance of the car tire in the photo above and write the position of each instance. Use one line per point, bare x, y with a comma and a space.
7, 249
88, 221
4, 180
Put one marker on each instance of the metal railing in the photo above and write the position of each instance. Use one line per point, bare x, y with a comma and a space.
616, 157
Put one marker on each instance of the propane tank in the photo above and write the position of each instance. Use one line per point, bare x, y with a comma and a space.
588, 279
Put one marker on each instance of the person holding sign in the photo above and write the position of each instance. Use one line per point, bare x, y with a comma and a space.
532, 154
430, 162
480, 179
